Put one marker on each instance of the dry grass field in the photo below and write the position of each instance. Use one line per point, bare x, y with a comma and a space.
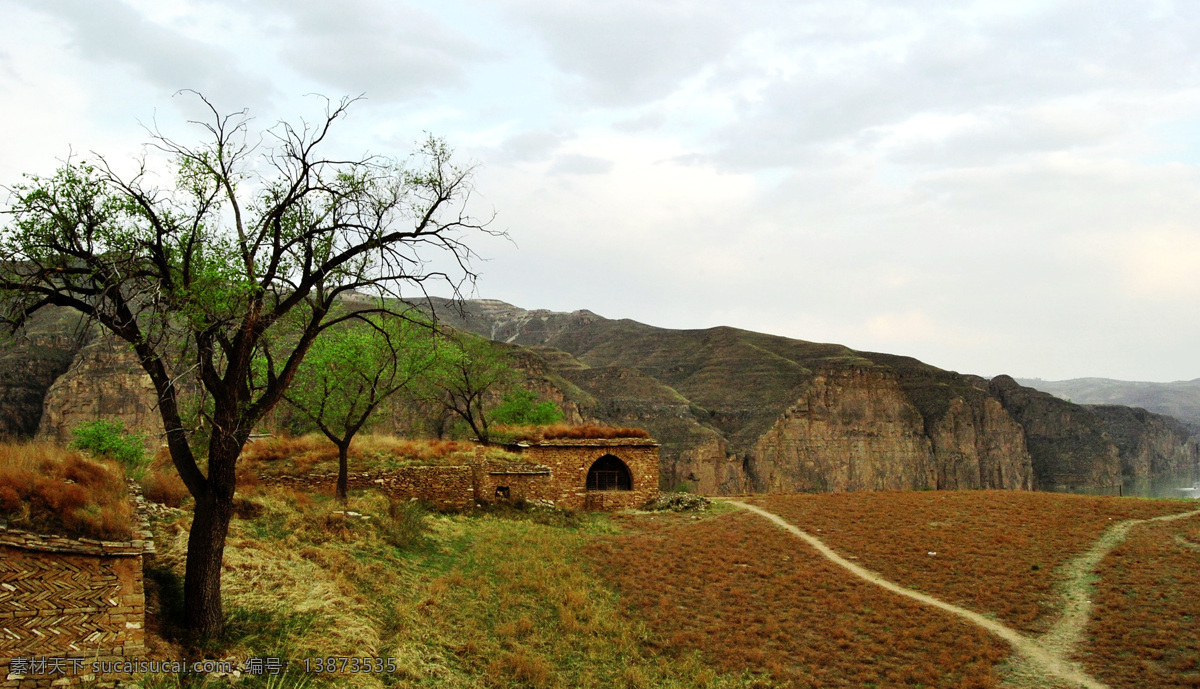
749, 596
994, 552
314, 453
1145, 629
495, 598
49, 489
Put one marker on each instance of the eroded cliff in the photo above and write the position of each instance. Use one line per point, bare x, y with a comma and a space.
739, 411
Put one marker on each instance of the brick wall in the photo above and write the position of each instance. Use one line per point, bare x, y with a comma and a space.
80, 600
443, 486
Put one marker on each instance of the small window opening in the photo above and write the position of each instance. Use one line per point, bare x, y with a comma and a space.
502, 493
609, 473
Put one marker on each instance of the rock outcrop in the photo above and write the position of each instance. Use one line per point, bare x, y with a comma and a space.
105, 381
30, 362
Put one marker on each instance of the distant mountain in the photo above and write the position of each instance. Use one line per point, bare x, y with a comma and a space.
1180, 399
736, 411
739, 411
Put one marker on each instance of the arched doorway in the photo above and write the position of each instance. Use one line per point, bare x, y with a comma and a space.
609, 473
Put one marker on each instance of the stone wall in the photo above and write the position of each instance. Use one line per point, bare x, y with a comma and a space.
519, 482
555, 471
569, 461
67, 603
443, 486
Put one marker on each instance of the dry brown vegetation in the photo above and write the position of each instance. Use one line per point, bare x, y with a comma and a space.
313, 453
49, 489
460, 601
564, 431
996, 551
751, 597
1145, 628
161, 482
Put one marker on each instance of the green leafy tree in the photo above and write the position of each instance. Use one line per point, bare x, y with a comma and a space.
468, 375
522, 408
352, 369
255, 234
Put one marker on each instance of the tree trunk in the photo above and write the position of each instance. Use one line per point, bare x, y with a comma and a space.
343, 470
206, 551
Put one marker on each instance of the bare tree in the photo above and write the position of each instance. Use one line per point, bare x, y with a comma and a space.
229, 273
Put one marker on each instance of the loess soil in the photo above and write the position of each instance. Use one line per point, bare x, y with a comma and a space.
993, 552
749, 596
1145, 627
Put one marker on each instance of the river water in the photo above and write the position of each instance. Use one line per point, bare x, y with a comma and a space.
1178, 485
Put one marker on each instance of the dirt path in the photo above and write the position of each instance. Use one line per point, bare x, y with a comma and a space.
1041, 658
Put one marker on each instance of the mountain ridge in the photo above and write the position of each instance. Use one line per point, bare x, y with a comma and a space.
766, 413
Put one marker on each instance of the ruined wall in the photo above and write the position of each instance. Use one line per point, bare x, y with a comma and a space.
443, 486
79, 600
521, 482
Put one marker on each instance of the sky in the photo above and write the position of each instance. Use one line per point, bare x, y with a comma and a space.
991, 187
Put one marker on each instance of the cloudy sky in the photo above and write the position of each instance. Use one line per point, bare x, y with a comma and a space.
992, 187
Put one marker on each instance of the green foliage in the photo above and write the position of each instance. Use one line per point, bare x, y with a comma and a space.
104, 438
521, 408
353, 367
468, 372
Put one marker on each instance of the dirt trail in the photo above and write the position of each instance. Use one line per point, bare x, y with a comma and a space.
1041, 658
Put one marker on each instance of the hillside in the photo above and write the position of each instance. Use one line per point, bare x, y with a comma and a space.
1180, 399
740, 411
736, 411
721, 598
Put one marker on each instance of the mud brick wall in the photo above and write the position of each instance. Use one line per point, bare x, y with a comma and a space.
69, 598
569, 461
445, 486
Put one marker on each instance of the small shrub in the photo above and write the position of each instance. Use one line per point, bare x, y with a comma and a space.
245, 508
104, 438
405, 524
520, 668
679, 502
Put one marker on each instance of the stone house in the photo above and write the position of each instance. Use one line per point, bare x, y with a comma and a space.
578, 474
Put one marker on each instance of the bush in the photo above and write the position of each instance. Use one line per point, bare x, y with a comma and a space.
521, 408
679, 502
405, 525
104, 438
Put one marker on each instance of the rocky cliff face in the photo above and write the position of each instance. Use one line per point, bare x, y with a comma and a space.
1148, 444
739, 411
1069, 445
851, 430
30, 362
104, 381
763, 413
